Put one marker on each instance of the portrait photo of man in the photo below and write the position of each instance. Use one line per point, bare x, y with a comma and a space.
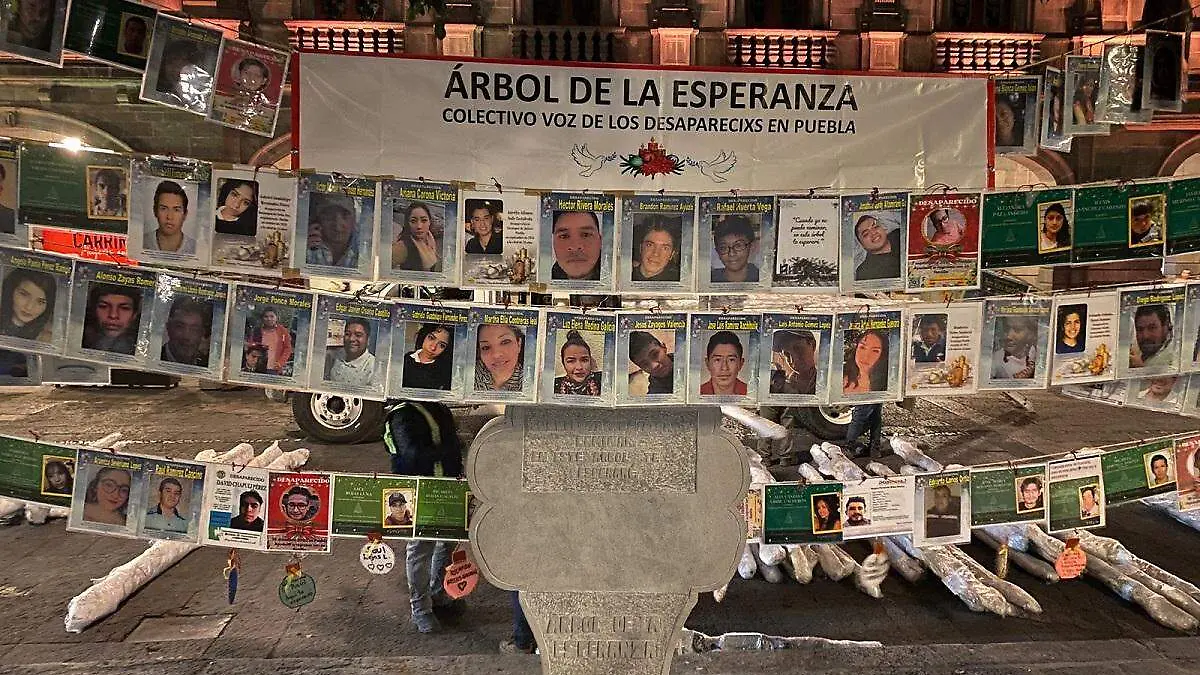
655, 364
249, 517
1160, 472
943, 512
723, 359
112, 318
399, 508
1145, 220
856, 512
577, 243
793, 362
170, 209
265, 331
930, 343
882, 248
188, 332
333, 238
1029, 494
135, 31
353, 364
1089, 502
485, 227
656, 249
1154, 333
164, 516
107, 193
1014, 349
735, 240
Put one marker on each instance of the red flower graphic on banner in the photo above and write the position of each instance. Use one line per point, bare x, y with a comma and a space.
652, 160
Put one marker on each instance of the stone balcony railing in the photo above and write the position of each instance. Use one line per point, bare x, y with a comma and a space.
352, 37
985, 52
568, 43
770, 48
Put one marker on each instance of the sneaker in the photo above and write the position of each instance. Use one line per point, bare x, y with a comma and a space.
426, 623
510, 647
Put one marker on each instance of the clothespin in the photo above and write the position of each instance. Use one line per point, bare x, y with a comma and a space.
36, 436
662, 191
725, 309
734, 192
799, 308
499, 187
874, 194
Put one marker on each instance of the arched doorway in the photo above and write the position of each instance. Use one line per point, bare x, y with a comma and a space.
31, 124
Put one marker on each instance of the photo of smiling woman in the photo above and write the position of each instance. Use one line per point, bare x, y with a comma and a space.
237, 207
1071, 329
499, 358
106, 500
27, 300
418, 244
1054, 230
865, 364
581, 377
430, 365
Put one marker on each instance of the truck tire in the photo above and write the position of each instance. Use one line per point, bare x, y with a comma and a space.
828, 423
338, 419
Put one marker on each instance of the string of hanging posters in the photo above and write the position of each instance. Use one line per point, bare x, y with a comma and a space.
837, 351
189, 214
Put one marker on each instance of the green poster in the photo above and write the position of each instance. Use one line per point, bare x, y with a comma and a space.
1139, 471
442, 509
116, 32
795, 513
1027, 228
380, 503
1076, 494
36, 472
1008, 495
79, 189
1183, 208
1120, 222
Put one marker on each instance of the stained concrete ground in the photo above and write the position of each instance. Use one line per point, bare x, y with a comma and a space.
182, 623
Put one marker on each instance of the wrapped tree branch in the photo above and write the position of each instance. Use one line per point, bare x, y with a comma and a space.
1181, 593
798, 564
1016, 536
1030, 564
1111, 550
909, 567
906, 449
835, 566
1014, 594
977, 596
1166, 503
771, 573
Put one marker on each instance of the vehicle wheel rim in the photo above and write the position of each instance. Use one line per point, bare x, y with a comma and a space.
836, 414
335, 412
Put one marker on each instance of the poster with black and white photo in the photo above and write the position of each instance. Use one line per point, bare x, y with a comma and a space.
18, 369
182, 65
1016, 343
233, 512
1054, 134
34, 291
942, 513
732, 236
187, 333
1163, 76
577, 236
109, 493
581, 354
254, 219
806, 245
1120, 99
168, 214
1148, 343
13, 232
874, 239
658, 238
867, 352
504, 344
419, 220
110, 314
335, 216
33, 30
174, 493
795, 370
500, 243
429, 352
1085, 338
652, 358
1017, 102
1082, 90
1164, 393
270, 330
724, 358
352, 343
942, 349
1190, 361
878, 507
1076, 489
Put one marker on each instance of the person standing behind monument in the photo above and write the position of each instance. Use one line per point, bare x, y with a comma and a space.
419, 435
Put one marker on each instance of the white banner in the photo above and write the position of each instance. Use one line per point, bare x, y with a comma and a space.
627, 128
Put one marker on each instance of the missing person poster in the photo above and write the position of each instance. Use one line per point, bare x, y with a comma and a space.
254, 220
1187, 471
181, 65
174, 498
1120, 222
1054, 134
248, 87
1077, 494
733, 233
1109, 393
42, 473
352, 343
187, 333
943, 508
298, 512
795, 370
1183, 203
797, 513
652, 358
1008, 494
1190, 358
1017, 101
13, 231
1148, 343
504, 347
234, 514
270, 330
78, 189
18, 369
336, 217
419, 220
500, 247
110, 314
1120, 99
1164, 393
33, 30
1027, 228
806, 245
1082, 89
724, 358
385, 504
115, 32
942, 349
943, 241
1163, 77
577, 237
109, 493
878, 507
444, 507
581, 353
1085, 338
1016, 343
1138, 471
168, 216
34, 291
658, 238
874, 239
867, 352
430, 352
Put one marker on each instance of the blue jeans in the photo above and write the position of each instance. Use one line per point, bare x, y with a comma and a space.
522, 633
425, 564
862, 418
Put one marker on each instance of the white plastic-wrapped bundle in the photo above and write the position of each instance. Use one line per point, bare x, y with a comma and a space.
906, 449
746, 564
772, 573
1013, 593
798, 564
1016, 536
10, 506
1167, 504
719, 594
819, 457
771, 554
870, 574
1030, 564
977, 596
836, 563
909, 567
810, 474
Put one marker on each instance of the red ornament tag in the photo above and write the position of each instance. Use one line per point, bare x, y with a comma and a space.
461, 576
1072, 561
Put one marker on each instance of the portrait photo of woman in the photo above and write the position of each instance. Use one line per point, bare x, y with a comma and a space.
1071, 329
237, 207
499, 358
418, 244
57, 478
1010, 123
27, 300
107, 497
430, 365
1054, 231
865, 364
826, 514
581, 377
